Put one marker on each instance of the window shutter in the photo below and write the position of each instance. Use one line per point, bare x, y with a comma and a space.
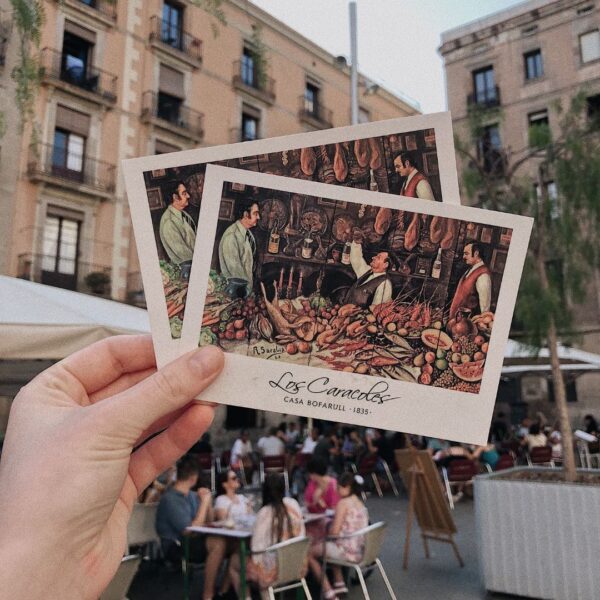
590, 46
171, 82
82, 32
72, 120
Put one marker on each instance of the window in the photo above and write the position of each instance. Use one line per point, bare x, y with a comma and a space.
161, 147
552, 192
538, 118
364, 116
311, 99
68, 154
589, 45
484, 87
60, 249
248, 74
489, 150
593, 107
169, 108
534, 67
249, 127
170, 95
76, 58
172, 25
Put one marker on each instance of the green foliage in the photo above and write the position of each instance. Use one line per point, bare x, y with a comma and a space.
28, 17
215, 9
565, 243
259, 55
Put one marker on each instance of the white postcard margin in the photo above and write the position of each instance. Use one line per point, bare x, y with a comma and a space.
166, 348
419, 409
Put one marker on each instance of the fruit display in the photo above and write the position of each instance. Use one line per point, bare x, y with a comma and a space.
401, 341
175, 294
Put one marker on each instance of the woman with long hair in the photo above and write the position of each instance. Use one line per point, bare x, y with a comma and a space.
279, 519
228, 506
351, 515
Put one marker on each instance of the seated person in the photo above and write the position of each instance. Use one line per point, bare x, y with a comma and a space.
241, 454
328, 449
179, 508
488, 454
311, 441
278, 520
535, 438
351, 515
321, 491
228, 505
272, 445
352, 447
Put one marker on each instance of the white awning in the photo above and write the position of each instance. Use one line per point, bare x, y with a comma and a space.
44, 322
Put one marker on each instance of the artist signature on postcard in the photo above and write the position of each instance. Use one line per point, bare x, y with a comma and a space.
376, 393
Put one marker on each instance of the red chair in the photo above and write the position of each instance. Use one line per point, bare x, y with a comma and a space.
301, 459
207, 465
275, 464
224, 462
366, 468
542, 455
460, 471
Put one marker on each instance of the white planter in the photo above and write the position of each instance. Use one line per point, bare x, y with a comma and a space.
539, 540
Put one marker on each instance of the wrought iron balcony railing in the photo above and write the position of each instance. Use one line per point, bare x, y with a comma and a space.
179, 115
485, 98
86, 77
68, 273
166, 34
69, 169
315, 113
246, 76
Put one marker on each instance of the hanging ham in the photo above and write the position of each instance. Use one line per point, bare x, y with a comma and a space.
376, 153
449, 235
412, 233
361, 151
308, 161
340, 166
436, 229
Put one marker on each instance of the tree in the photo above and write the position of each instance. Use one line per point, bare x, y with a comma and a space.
564, 250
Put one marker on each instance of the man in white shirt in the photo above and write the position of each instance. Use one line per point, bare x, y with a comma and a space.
474, 289
373, 285
241, 453
310, 442
415, 185
271, 445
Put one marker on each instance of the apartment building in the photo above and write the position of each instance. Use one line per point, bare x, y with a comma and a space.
522, 61
125, 79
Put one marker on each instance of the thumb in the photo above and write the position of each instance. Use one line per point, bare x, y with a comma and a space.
174, 386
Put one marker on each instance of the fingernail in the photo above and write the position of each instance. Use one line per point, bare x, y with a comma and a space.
207, 360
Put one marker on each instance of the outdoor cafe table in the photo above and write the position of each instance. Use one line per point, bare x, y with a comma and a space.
242, 535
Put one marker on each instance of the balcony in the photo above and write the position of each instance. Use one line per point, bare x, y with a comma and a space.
175, 42
180, 120
81, 173
315, 114
485, 98
90, 83
259, 85
66, 273
103, 11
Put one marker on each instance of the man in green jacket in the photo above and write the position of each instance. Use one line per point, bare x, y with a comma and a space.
177, 229
238, 246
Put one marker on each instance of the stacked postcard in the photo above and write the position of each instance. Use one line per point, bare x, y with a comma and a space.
338, 272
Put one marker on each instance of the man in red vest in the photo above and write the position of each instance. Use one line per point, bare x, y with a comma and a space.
474, 289
415, 185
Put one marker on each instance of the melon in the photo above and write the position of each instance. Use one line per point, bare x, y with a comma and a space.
436, 338
471, 371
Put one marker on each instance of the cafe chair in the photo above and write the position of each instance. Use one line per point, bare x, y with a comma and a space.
292, 557
506, 461
118, 587
207, 467
460, 471
373, 536
542, 455
275, 464
140, 529
366, 468
588, 460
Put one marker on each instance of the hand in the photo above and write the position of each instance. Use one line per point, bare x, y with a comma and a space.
204, 494
69, 476
358, 235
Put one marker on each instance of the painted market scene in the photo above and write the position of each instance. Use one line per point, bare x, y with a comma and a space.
115, 482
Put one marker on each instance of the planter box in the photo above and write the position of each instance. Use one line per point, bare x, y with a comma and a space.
539, 540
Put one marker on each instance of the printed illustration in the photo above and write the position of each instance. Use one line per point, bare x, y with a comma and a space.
352, 287
401, 163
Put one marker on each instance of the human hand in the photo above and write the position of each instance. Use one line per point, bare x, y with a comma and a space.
69, 476
204, 494
358, 235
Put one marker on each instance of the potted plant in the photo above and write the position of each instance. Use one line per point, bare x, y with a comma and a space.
97, 282
537, 528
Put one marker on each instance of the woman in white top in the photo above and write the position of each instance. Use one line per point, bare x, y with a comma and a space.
228, 505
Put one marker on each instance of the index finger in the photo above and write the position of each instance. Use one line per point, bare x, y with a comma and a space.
102, 363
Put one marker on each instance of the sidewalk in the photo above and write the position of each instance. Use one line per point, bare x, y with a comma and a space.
426, 579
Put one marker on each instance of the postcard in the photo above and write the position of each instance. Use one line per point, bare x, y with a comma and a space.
412, 155
387, 311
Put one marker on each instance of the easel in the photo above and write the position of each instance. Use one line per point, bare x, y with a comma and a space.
426, 502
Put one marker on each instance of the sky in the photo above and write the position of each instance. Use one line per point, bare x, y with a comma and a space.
397, 39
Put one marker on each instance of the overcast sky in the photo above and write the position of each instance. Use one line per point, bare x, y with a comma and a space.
397, 39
